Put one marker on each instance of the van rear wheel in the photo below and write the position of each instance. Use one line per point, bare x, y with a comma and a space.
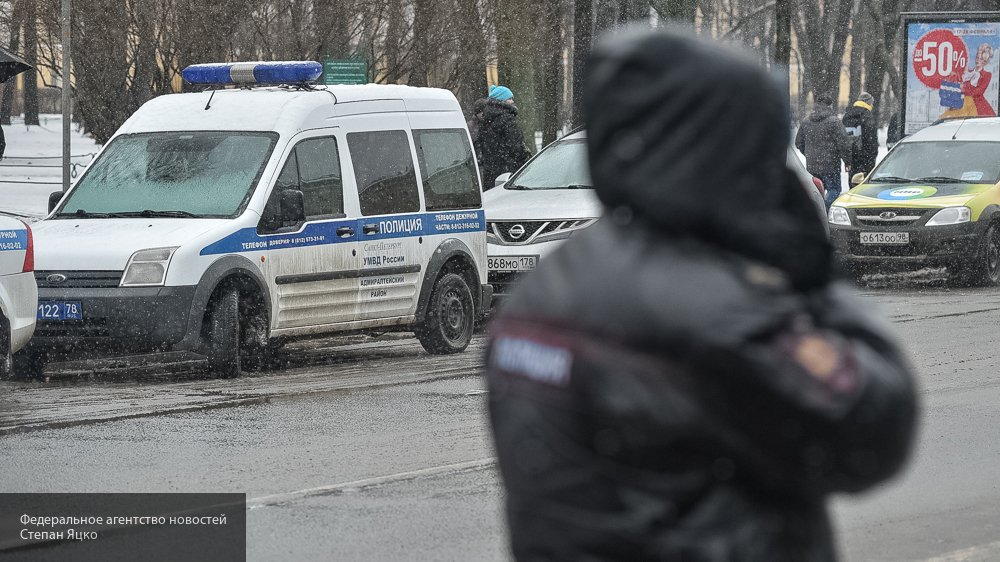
450, 317
224, 334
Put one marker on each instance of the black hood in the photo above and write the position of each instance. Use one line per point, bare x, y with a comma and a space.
821, 112
693, 136
493, 109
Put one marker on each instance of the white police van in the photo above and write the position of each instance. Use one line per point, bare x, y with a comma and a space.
228, 221
18, 293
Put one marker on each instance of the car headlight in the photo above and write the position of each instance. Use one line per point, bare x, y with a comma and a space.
147, 268
950, 215
838, 215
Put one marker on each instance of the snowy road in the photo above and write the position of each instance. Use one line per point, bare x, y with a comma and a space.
372, 449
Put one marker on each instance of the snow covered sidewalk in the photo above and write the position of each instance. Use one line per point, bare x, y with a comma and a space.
32, 165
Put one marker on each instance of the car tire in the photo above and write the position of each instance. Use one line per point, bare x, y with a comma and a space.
6, 357
983, 270
224, 334
450, 317
29, 364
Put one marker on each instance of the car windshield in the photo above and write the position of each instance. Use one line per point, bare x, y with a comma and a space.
189, 174
941, 161
563, 165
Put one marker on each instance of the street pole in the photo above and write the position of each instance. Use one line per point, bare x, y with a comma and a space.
67, 90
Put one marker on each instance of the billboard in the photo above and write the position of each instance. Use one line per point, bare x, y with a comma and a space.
952, 63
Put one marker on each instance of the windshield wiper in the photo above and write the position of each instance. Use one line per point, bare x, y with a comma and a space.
517, 187
891, 179
578, 186
82, 214
940, 179
149, 213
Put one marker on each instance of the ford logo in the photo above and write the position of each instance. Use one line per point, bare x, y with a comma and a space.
55, 278
516, 231
888, 215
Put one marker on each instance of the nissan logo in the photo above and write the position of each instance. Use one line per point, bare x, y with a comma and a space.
55, 278
888, 215
516, 231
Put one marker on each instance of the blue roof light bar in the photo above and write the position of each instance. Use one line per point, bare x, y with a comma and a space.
247, 73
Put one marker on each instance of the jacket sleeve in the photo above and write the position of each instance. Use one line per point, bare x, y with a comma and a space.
843, 142
823, 397
869, 135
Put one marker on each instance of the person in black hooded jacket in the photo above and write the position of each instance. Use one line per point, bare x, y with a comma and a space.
498, 140
686, 380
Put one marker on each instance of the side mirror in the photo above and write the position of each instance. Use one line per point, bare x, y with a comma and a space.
292, 207
54, 198
857, 179
501, 179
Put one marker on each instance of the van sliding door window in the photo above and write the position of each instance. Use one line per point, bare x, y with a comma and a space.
447, 169
383, 167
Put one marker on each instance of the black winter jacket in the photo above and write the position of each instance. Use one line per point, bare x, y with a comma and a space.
498, 140
823, 141
864, 148
675, 383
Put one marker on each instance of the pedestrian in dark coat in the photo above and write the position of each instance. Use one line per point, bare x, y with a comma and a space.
3, 143
685, 380
499, 141
859, 122
823, 141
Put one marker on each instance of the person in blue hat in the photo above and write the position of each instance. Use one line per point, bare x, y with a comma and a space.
497, 137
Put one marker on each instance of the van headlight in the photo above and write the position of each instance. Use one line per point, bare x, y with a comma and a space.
838, 215
950, 215
147, 268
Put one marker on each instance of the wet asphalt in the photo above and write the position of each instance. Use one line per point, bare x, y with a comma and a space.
370, 449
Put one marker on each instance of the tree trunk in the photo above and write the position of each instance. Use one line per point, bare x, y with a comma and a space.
31, 55
857, 64
331, 20
583, 34
783, 38
551, 70
517, 48
7, 104
423, 18
678, 11
471, 61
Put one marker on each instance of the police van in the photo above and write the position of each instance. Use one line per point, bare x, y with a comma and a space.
18, 294
231, 220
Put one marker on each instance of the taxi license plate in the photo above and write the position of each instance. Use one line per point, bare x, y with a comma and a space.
60, 310
885, 237
511, 263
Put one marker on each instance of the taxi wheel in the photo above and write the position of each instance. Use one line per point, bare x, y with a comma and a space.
983, 269
224, 334
450, 318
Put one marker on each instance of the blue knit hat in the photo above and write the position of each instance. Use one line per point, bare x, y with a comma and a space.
501, 93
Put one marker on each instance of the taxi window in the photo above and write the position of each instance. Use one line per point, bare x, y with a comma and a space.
942, 162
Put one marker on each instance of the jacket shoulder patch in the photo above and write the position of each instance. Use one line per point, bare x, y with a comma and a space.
543, 363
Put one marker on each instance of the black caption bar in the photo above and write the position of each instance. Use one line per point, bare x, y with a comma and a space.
145, 527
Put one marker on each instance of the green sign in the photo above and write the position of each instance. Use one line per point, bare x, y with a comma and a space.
345, 71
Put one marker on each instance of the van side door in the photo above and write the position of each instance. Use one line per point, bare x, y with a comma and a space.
312, 260
391, 225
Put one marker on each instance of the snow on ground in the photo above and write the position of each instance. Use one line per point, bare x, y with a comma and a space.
34, 154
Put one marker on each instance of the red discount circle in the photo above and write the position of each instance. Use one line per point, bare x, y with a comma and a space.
938, 55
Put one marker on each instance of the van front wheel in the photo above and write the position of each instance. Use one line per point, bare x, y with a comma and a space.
450, 318
224, 334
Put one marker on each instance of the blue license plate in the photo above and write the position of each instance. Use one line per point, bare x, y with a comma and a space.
60, 310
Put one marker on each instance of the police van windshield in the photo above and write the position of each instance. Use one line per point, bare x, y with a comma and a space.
172, 174
563, 165
941, 162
